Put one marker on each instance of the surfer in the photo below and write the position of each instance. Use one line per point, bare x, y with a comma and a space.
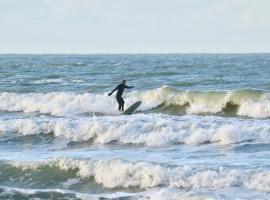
120, 89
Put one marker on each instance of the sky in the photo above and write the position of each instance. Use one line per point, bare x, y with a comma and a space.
134, 26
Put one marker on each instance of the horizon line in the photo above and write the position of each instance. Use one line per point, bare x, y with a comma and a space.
129, 53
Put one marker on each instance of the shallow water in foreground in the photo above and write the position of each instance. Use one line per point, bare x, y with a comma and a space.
202, 132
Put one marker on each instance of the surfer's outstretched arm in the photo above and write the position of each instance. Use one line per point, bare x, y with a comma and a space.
129, 86
113, 90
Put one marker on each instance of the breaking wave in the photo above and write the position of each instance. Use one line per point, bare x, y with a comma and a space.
145, 129
249, 103
115, 173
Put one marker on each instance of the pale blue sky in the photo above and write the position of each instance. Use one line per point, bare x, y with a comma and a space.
134, 26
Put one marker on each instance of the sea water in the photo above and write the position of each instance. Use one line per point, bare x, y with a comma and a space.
202, 131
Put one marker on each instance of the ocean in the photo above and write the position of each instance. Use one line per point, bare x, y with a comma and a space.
201, 133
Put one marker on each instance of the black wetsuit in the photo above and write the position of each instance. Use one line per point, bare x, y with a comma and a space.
120, 89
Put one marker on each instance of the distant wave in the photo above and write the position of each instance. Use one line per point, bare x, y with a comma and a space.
248, 103
115, 173
145, 129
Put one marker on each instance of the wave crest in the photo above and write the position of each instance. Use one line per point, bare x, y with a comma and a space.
248, 103
117, 173
150, 129
166, 99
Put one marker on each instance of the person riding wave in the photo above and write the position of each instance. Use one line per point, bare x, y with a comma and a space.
120, 90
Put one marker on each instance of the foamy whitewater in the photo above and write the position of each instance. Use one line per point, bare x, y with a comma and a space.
201, 133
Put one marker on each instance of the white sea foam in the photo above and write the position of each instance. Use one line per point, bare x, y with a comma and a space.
150, 129
116, 173
57, 103
250, 103
247, 103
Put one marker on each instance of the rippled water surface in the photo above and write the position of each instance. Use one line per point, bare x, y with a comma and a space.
202, 131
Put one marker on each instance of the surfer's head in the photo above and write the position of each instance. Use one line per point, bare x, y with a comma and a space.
123, 81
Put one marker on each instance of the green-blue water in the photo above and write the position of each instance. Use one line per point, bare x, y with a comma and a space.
202, 131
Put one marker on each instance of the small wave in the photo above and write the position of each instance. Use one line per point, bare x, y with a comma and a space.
53, 76
48, 81
117, 173
78, 64
167, 193
23, 193
146, 129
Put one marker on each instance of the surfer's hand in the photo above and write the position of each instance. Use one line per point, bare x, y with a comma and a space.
109, 94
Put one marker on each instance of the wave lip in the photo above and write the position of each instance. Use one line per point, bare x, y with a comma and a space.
146, 129
117, 173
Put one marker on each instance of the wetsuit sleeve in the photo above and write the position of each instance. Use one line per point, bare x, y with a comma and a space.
129, 86
115, 89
